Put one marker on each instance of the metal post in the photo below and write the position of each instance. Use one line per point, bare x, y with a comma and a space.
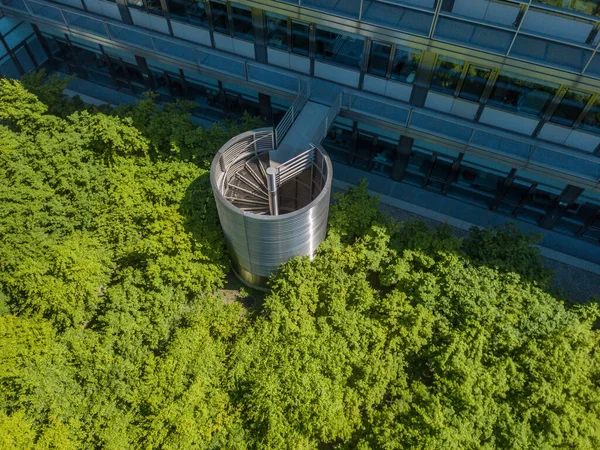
272, 188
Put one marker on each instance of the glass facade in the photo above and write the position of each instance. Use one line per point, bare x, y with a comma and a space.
447, 74
462, 176
192, 12
342, 48
522, 94
405, 64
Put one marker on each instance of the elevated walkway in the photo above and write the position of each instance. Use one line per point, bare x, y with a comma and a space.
303, 132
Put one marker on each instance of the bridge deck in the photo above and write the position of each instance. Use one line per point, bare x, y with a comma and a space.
301, 134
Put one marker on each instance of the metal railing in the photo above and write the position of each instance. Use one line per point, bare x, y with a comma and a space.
247, 146
117, 34
293, 112
329, 119
513, 149
295, 166
471, 136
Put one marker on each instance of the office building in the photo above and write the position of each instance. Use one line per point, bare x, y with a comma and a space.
482, 110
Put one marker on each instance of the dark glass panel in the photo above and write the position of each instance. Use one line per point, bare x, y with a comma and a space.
447, 74
474, 83
219, 17
570, 107
379, 58
522, 94
300, 40
242, 22
277, 31
406, 63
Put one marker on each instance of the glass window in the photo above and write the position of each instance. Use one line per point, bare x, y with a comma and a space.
345, 49
242, 22
591, 121
138, 4
522, 94
154, 7
338, 141
194, 12
277, 31
406, 63
570, 107
300, 38
591, 7
447, 74
379, 58
474, 83
219, 17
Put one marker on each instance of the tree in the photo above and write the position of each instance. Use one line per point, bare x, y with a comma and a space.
395, 335
111, 254
393, 338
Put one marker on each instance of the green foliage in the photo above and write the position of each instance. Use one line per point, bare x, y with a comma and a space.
110, 253
508, 250
50, 91
395, 339
355, 211
393, 336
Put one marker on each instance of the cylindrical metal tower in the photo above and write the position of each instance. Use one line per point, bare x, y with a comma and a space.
269, 213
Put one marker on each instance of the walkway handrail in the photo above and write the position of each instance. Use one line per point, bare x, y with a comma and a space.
296, 165
253, 144
295, 109
329, 118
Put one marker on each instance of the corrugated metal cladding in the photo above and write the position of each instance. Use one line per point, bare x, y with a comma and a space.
258, 242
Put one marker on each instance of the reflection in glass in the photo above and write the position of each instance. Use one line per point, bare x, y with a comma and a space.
277, 31
591, 7
570, 107
379, 58
138, 4
154, 7
447, 74
219, 17
342, 48
300, 38
406, 63
591, 121
522, 94
242, 22
474, 83
193, 12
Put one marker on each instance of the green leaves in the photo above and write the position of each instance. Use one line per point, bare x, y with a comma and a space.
394, 336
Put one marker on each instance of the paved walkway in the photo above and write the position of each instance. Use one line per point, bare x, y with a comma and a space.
575, 278
301, 134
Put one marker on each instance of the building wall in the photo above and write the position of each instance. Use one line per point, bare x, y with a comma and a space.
530, 70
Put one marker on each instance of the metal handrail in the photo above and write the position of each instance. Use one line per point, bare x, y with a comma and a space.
296, 165
556, 151
238, 153
473, 130
329, 119
292, 113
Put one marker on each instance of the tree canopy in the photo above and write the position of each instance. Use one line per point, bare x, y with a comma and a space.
396, 335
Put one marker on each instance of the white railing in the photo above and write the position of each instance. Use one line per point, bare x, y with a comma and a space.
239, 152
329, 118
295, 166
295, 109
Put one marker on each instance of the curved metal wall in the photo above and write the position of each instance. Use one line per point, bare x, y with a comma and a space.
259, 244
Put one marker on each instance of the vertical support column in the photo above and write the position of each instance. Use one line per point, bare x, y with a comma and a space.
143, 65
266, 111
124, 10
272, 191
556, 211
422, 80
403, 152
260, 35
